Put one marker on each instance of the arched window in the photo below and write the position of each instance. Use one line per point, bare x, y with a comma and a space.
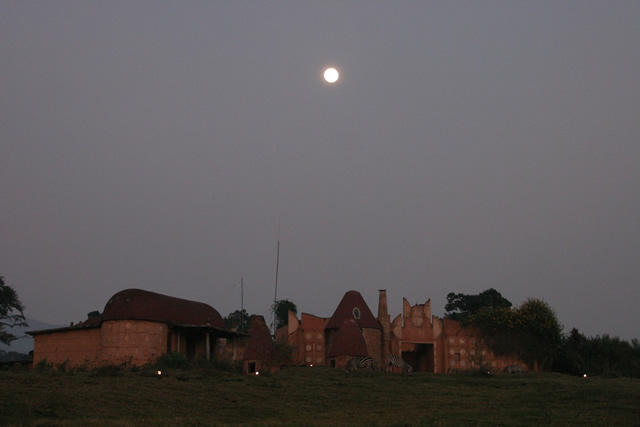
356, 313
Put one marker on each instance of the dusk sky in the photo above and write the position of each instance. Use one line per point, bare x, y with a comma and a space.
467, 145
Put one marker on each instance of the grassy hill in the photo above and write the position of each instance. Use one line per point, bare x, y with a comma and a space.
311, 396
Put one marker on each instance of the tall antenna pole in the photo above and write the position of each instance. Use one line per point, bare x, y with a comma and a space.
275, 297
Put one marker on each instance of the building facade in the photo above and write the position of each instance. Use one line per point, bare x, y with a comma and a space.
426, 342
135, 328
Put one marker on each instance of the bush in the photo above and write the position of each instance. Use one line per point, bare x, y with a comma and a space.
108, 371
43, 366
172, 360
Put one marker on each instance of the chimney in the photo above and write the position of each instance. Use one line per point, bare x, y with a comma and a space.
385, 322
383, 311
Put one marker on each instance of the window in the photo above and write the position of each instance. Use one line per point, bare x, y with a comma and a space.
356, 313
457, 356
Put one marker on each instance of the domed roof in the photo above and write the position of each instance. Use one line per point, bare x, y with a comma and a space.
353, 307
136, 304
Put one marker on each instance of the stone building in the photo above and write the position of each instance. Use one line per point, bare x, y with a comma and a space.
426, 342
136, 327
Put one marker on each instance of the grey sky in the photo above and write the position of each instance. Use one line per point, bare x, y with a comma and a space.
169, 145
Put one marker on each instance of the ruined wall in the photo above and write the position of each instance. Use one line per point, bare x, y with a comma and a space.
312, 344
306, 337
82, 347
133, 341
464, 351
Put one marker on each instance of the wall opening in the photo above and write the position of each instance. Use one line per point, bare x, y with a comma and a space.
421, 358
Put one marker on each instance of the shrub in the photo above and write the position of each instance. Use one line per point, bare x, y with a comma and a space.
43, 366
108, 371
173, 360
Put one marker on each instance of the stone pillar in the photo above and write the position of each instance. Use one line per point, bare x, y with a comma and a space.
208, 345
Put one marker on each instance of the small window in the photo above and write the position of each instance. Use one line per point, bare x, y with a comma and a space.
457, 356
356, 313
252, 367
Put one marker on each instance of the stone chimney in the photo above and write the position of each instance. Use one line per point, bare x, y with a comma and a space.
385, 321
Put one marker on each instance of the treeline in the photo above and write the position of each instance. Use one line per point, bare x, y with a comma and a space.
12, 356
600, 355
533, 333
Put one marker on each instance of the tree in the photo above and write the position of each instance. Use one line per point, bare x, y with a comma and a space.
460, 306
599, 355
238, 319
531, 331
11, 312
281, 310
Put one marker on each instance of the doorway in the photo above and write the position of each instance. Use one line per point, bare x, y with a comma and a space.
420, 357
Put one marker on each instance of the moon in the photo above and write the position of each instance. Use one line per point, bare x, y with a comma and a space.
331, 75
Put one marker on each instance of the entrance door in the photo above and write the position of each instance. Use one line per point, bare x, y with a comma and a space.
421, 359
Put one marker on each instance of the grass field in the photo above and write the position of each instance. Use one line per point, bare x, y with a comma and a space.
312, 396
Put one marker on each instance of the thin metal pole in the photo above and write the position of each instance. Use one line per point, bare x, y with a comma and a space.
241, 305
275, 297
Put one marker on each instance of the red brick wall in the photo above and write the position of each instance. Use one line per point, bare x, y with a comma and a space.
78, 347
463, 345
133, 341
373, 341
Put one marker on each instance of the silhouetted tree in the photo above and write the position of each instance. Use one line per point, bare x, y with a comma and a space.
11, 312
238, 319
281, 310
600, 355
460, 306
531, 331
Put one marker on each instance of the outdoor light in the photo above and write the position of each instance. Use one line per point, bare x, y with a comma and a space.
257, 373
585, 375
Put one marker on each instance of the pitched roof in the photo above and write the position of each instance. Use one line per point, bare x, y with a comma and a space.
136, 304
348, 341
260, 345
353, 307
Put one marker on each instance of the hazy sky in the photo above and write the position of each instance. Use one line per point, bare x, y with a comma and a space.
168, 146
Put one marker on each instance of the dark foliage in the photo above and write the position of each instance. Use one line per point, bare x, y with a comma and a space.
239, 319
172, 360
531, 331
11, 312
601, 355
460, 306
281, 310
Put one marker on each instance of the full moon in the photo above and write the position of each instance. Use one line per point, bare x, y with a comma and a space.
331, 75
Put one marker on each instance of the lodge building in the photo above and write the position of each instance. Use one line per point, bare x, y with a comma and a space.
138, 326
